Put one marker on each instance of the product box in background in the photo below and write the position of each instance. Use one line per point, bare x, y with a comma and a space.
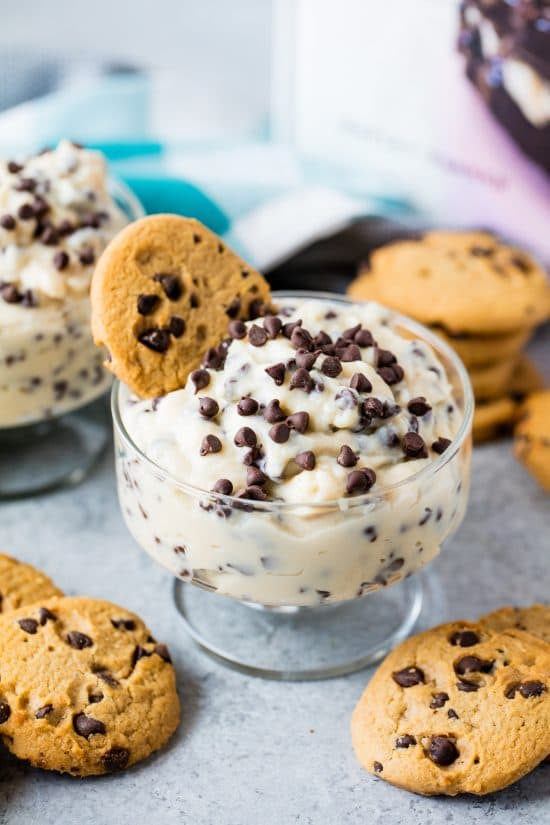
442, 104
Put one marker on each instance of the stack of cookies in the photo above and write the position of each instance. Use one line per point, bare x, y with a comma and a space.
483, 296
461, 708
84, 687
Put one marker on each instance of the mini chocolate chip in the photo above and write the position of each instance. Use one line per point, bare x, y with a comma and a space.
466, 686
322, 339
29, 298
213, 358
147, 303
25, 212
234, 308
306, 460
530, 689
223, 486
14, 167
247, 406
78, 640
86, 726
298, 421
360, 481
442, 751
237, 329
385, 358
272, 326
254, 493
301, 339
28, 625
257, 336
170, 285
273, 412
414, 446
176, 326
157, 340
277, 373
418, 406
279, 433
473, 664
409, 677
162, 651
440, 445
10, 293
252, 456
5, 712
208, 407
331, 366
391, 375
45, 615
115, 759
257, 308
25, 185
8, 222
61, 260
363, 338
346, 457
438, 700
210, 444
123, 624
373, 408
245, 437
349, 353
405, 741
306, 359
371, 533
200, 378
289, 328
378, 767
452, 714
50, 237
464, 638
42, 712
86, 256
255, 477
302, 380
360, 383
349, 333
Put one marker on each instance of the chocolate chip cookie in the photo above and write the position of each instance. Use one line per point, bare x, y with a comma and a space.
21, 584
534, 620
457, 709
163, 294
532, 437
495, 417
465, 282
84, 687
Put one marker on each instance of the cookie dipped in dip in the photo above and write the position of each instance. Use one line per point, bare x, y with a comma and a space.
56, 217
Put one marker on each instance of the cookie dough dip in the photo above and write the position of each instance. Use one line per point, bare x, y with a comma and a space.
56, 216
319, 452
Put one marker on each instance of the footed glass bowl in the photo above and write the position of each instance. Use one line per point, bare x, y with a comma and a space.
308, 590
54, 422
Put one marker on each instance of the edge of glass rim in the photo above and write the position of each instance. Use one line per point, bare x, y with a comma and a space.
341, 503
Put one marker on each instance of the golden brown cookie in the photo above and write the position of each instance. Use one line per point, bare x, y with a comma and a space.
534, 620
493, 380
457, 709
163, 293
21, 584
84, 688
532, 437
497, 417
479, 351
466, 282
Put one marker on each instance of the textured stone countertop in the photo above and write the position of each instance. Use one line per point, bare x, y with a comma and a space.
251, 751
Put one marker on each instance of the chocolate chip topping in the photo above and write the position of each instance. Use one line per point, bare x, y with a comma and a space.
418, 406
254, 493
200, 379
208, 407
14, 167
473, 664
529, 690
223, 486
237, 329
247, 406
373, 408
157, 340
405, 741
86, 726
277, 373
306, 359
302, 380
245, 437
363, 338
442, 751
349, 353
146, 304
115, 759
86, 256
5, 712
257, 336
280, 432
170, 285
273, 412
289, 328
28, 625
306, 460
61, 260
440, 445
210, 444
255, 477
360, 383
8, 222
464, 638
391, 375
438, 700
25, 212
346, 457
331, 366
409, 677
298, 421
414, 446
360, 481
301, 339
78, 640
272, 326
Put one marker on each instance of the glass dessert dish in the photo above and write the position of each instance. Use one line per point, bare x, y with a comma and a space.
317, 587
58, 214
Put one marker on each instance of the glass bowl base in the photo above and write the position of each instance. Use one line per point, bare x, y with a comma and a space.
300, 643
60, 452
